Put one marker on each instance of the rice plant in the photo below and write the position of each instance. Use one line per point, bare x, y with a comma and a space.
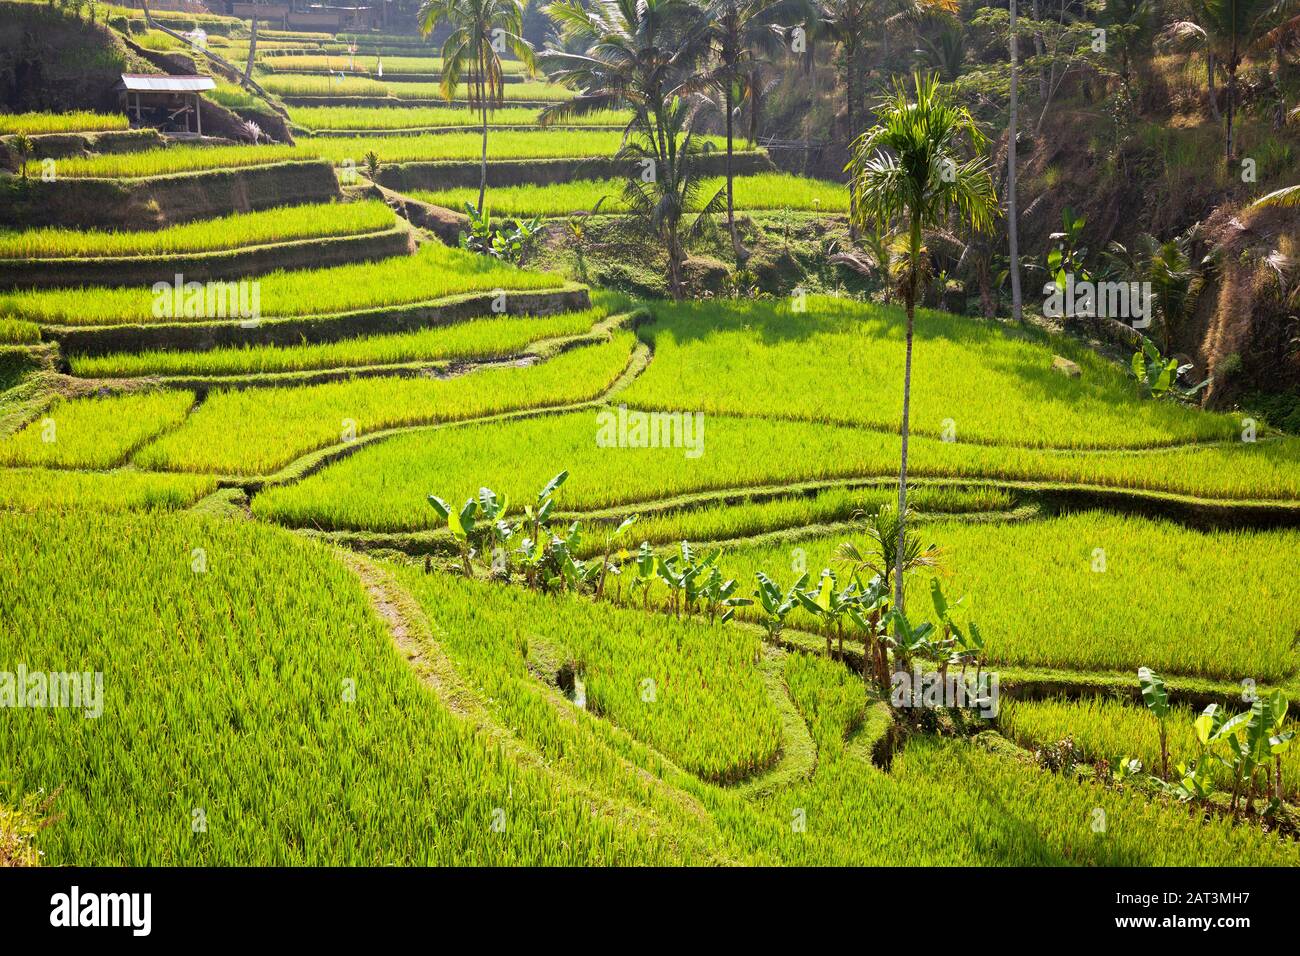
1105, 729
366, 63
488, 338
433, 272
1007, 391
78, 122
363, 119
289, 84
762, 191
29, 489
257, 431
282, 224
196, 726
95, 432
738, 453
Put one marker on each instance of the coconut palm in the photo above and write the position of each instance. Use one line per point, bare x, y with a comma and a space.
737, 31
908, 169
640, 55
481, 30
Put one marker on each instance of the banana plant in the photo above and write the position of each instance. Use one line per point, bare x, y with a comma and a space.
612, 538
720, 595
908, 641
461, 525
647, 569
868, 613
1156, 697
1158, 376
1280, 739
829, 604
671, 573
777, 605
496, 531
537, 517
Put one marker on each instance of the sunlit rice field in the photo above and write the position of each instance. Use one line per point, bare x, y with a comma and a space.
433, 272
94, 432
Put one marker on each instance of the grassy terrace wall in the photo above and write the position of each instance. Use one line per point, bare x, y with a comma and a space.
59, 145
314, 329
242, 263
289, 99
153, 202
544, 172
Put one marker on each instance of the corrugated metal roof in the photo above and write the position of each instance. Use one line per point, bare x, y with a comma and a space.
146, 83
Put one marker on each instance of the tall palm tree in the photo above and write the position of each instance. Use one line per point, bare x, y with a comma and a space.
1013, 213
481, 30
909, 170
737, 31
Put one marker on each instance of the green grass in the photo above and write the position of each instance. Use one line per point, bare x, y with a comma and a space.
705, 706
763, 191
1215, 605
1105, 729
94, 432
339, 63
430, 147
28, 489
433, 272
283, 84
226, 696
489, 338
257, 431
738, 453
18, 331
79, 122
362, 119
991, 382
283, 224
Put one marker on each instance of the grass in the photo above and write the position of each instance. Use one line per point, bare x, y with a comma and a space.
79, 122
94, 432
18, 331
280, 765
1105, 729
763, 191
1215, 605
830, 699
340, 63
738, 453
433, 272
503, 145
257, 431
283, 84
488, 338
1006, 392
283, 224
29, 489
705, 706
362, 119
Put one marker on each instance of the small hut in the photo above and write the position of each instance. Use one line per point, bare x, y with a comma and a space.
165, 102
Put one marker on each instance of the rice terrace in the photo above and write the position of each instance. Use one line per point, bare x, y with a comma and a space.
649, 433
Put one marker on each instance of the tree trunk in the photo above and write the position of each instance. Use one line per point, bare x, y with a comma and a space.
1232, 95
1209, 77
482, 169
252, 51
731, 205
1012, 238
852, 132
907, 401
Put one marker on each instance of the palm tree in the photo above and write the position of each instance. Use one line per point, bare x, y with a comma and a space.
481, 30
1228, 29
252, 49
908, 169
736, 30
639, 55
1013, 215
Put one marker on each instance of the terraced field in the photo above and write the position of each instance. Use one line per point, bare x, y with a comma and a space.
443, 558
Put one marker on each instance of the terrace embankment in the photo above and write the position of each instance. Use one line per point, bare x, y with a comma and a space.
62, 145
156, 201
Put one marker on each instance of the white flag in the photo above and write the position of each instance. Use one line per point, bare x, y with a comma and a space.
380, 69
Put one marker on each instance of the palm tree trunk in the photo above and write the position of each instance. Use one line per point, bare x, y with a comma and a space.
852, 130
1232, 94
907, 402
1209, 79
482, 169
252, 51
731, 205
1012, 237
